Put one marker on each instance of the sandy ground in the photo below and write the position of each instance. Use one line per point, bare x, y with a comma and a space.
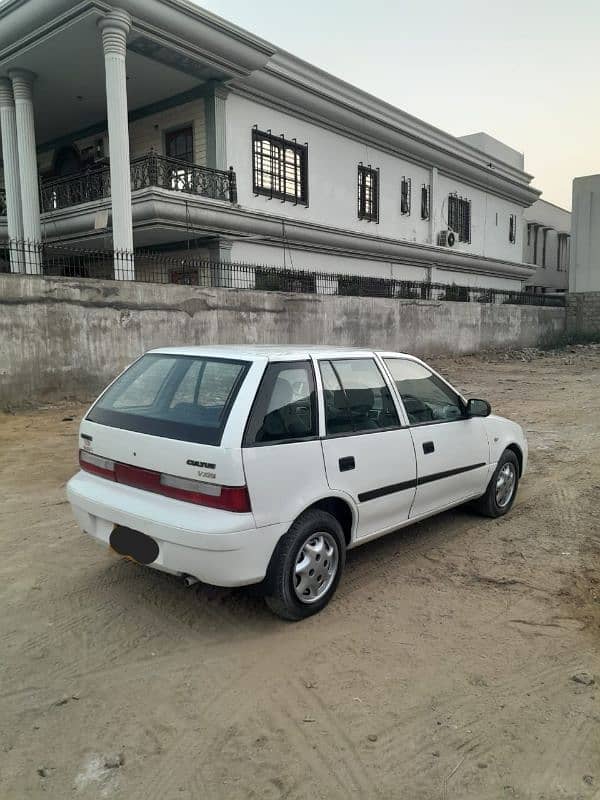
442, 669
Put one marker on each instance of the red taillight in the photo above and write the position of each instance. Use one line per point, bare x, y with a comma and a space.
97, 465
225, 498
146, 479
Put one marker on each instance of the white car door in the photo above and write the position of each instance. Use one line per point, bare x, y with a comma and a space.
452, 450
368, 455
283, 461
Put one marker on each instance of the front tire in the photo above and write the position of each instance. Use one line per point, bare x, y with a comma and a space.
502, 488
306, 566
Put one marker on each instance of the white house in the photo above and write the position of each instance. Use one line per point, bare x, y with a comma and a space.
158, 125
547, 245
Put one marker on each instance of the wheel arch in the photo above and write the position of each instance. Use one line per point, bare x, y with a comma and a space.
339, 507
514, 447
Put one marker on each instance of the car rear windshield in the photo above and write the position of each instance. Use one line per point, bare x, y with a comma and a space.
178, 397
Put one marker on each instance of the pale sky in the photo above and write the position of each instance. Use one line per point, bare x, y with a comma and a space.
524, 71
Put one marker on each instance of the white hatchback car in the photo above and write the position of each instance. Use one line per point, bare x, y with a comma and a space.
245, 465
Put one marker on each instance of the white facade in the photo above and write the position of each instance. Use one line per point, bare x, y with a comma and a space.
218, 84
584, 275
547, 245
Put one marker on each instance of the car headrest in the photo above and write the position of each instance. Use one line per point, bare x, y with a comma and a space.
358, 399
283, 395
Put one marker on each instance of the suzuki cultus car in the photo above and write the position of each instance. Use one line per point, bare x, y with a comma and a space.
264, 465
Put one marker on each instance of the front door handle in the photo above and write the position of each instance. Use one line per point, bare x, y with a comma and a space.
347, 463
428, 447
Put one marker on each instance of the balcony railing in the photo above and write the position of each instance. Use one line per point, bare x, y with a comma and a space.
145, 172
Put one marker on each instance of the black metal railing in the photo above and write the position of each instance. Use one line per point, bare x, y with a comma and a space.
181, 176
146, 171
82, 187
193, 270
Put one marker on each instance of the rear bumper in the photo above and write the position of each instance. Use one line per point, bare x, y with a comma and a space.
217, 547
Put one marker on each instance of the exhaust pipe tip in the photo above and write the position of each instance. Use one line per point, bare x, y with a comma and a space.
189, 580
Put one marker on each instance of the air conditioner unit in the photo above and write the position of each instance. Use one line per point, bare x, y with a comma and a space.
447, 238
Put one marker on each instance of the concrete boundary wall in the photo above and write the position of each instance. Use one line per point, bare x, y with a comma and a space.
63, 337
583, 314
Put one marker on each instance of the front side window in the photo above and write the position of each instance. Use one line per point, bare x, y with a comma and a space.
459, 217
279, 167
368, 193
425, 397
357, 399
285, 407
178, 397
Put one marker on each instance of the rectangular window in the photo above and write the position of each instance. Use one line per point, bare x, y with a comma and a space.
425, 201
529, 226
368, 193
512, 228
279, 167
357, 399
179, 144
285, 409
177, 397
459, 217
562, 252
405, 196
179, 147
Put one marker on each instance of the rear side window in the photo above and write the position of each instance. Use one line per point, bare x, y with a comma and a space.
177, 397
285, 409
357, 399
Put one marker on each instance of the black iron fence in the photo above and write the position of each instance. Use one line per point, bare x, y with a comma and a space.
147, 171
193, 270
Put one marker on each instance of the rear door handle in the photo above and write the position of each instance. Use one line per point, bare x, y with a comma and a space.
347, 463
428, 447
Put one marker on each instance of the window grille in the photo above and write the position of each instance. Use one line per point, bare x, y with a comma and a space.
279, 167
368, 193
425, 201
459, 217
405, 196
512, 229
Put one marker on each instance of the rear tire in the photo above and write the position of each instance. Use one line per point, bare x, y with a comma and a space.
502, 488
306, 566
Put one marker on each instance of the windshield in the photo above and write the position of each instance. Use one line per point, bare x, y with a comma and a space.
178, 397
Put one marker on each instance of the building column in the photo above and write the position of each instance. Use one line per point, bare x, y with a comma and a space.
12, 181
115, 27
215, 103
219, 254
22, 83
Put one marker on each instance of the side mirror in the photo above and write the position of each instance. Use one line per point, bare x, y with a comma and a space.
478, 408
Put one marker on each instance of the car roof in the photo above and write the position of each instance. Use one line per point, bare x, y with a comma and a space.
272, 352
